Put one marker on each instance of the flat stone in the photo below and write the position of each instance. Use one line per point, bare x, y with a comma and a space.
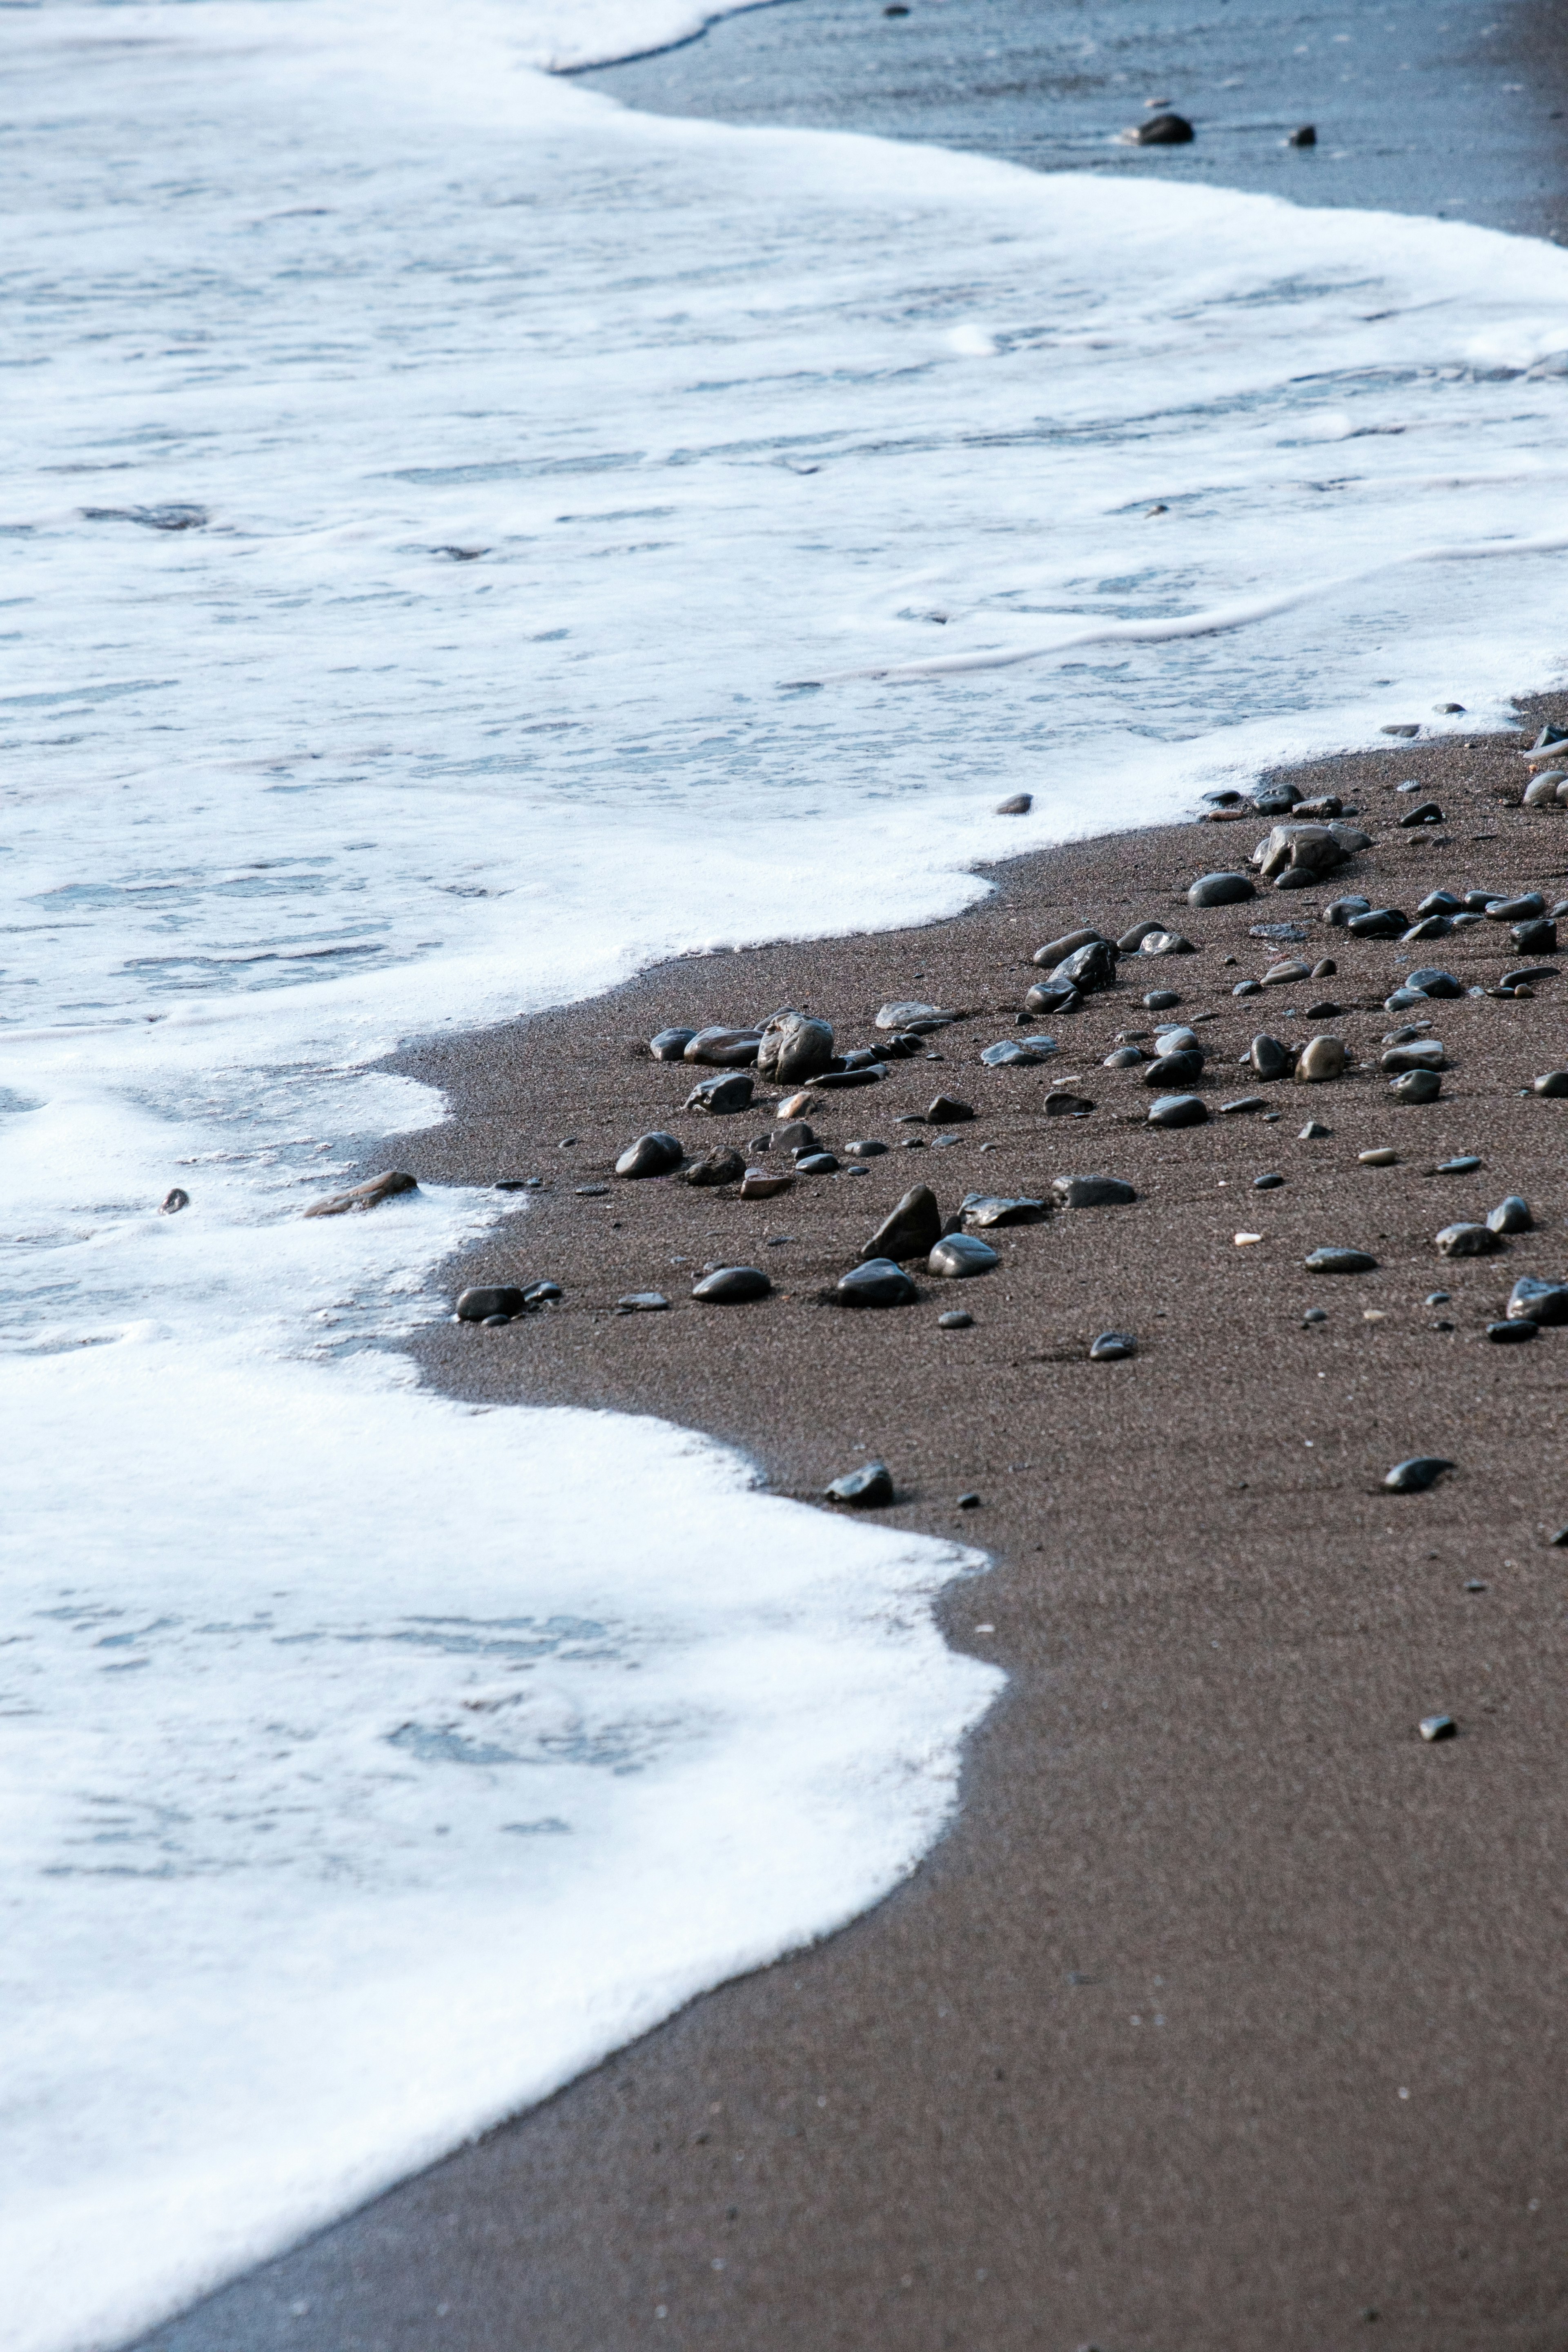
1511, 1215
1381, 1158
1555, 1084
542, 1294
642, 1302
814, 1163
1432, 981
765, 1183
868, 1488
1334, 1260
1321, 1058
1220, 890
1315, 1315
912, 1230
1111, 1347
986, 1209
650, 1155
719, 1166
919, 1019
1404, 1000
1160, 131
879, 1282
1062, 1103
1406, 732
1416, 1054
946, 1111
867, 1149
1419, 1471
1161, 1000
1430, 927
1124, 1057
869, 1073
1090, 1192
1280, 975
1270, 1183
959, 1254
495, 1322
1247, 988
1538, 1300
718, 1096
1010, 1050
1440, 902
1519, 1326
727, 1049
1521, 908
1468, 1240
1424, 812
1056, 951
1378, 923
957, 1319
1278, 930
731, 1285
1417, 1086
368, 1195
1313, 1132
1437, 1727
1165, 943
1325, 1010
1243, 1103
1530, 975
1178, 1111
1463, 1166
478, 1305
670, 1044
1015, 805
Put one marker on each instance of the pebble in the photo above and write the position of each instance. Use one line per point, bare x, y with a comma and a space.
1528, 975
959, 1254
1555, 1083
519, 1183
650, 1155
590, 1191
541, 1293
1520, 910
727, 1049
1403, 1000
1015, 805
1087, 968
1278, 974
867, 1149
479, 1305
1406, 1035
869, 1488
1536, 938
970, 1501
1378, 923
1062, 1103
1315, 1315
1313, 1132
1090, 1192
1111, 1347
1511, 1215
1339, 911
1131, 942
946, 1111
792, 1135
1178, 1111
1164, 944
670, 1044
1416, 1054
1056, 951
1220, 890
1018, 1049
175, 1199
1268, 1057
494, 1322
1277, 799
719, 1166
1517, 1326
1267, 1183
794, 1047
1413, 1476
1047, 996
1406, 732
1124, 1057
1160, 131
1437, 1727
1431, 927
1334, 1260
1424, 812
642, 1302
730, 1286
1161, 1000
910, 1230
919, 1019
1468, 1240
765, 1183
879, 1282
1432, 981
1539, 1301
1304, 135
957, 1319
717, 1095
986, 1209
1242, 1103
814, 1163
1247, 988
1417, 1086
1381, 1158
1182, 1068
869, 1073
1436, 1298
1321, 1058
369, 1194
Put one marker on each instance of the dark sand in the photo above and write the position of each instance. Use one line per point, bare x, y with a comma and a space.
1230, 2014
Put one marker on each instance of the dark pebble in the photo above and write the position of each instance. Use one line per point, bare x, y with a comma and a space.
1340, 912
1432, 981
869, 1488
1424, 812
1111, 1347
1417, 1086
1242, 1103
1313, 1132
494, 1322
730, 1286
670, 1044
1340, 1260
869, 1073
1247, 988
1090, 1192
175, 1199
1161, 131
1220, 890
478, 1305
1056, 951
1062, 1103
590, 1191
1179, 1069
650, 1155
1517, 1326
1538, 937
719, 1166
1267, 1183
1306, 135
1511, 1215
1015, 805
910, 1230
1046, 997
880, 1282
1378, 923
970, 1501
957, 1319
541, 1293
1468, 1240
1437, 1727
1178, 1111
947, 1111
734, 1091
1161, 1000
1316, 1315
642, 1302
1555, 1083
987, 1209
957, 1255
864, 1150
1535, 1300
1416, 1475
1268, 1058
1125, 1058
816, 1163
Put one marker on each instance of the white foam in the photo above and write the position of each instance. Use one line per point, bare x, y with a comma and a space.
693, 414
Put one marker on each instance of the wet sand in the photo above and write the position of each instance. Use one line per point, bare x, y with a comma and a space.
1229, 2012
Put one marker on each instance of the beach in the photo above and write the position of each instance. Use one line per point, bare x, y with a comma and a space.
1226, 2012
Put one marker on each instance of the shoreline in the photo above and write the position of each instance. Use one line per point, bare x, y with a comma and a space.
1202, 1799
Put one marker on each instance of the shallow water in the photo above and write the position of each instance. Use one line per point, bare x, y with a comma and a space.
466, 539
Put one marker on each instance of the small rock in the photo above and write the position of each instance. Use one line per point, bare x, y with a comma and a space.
1433, 981
1012, 1050
869, 1488
670, 1044
1124, 1057
1340, 1260
1159, 130
542, 1294
718, 1096
1321, 1058
869, 1073
1440, 902
919, 1019
1437, 1727
1523, 908
794, 1048
959, 1254
368, 1195
727, 1049
1313, 1132
912, 1230
1015, 805
1062, 1103
1280, 975
790, 1135
1315, 1315
1305, 135
1057, 952
1416, 1054
719, 1166
1111, 1347
1511, 1216
869, 1148
970, 1501
1415, 1475
1131, 942
1178, 1111
1341, 912
946, 1111
1463, 1166
1468, 1240
650, 1155
1325, 1010
479, 1305
987, 1209
1528, 975
1538, 937
1220, 890
1517, 1326
730, 1286
813, 1163
1242, 1103
1046, 997
957, 1319
1403, 1000
1164, 944
1182, 1067
1090, 1192
1267, 1183
1432, 927
1268, 1058
1091, 967
1247, 988
1436, 1298
1161, 1000
879, 1282
1555, 1083
175, 1199
642, 1302
1378, 923
1417, 1086
1381, 1158
765, 1183
1424, 812
1539, 1301
1402, 731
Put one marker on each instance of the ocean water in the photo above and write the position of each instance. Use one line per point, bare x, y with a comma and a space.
466, 539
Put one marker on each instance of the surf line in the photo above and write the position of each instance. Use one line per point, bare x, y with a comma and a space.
1211, 624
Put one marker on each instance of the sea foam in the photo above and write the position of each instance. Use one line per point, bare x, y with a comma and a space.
465, 541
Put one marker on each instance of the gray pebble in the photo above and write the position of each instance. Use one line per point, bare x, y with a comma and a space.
1015, 805
1316, 1315
670, 1044
868, 1150
1161, 1000
1111, 1347
1417, 1086
642, 1302
1437, 1727
1511, 1216
1468, 1240
1090, 1192
957, 1255
879, 1282
1220, 890
869, 1488
1534, 1300
1340, 1260
957, 1319
734, 1091
479, 1305
650, 1155
1413, 1476
730, 1286
1178, 1111
1517, 1327
719, 1166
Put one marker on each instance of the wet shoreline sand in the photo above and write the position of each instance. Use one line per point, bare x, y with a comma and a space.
1229, 2012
